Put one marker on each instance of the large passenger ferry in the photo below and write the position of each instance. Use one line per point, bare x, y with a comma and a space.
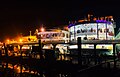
54, 36
93, 28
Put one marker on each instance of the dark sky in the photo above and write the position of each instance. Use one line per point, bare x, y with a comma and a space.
22, 16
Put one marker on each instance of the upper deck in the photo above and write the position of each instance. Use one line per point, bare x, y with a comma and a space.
54, 36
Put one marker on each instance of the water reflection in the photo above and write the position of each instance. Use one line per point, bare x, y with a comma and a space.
18, 69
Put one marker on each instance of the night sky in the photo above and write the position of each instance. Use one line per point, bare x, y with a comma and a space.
22, 16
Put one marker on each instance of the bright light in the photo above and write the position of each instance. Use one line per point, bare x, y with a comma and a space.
20, 40
8, 41
42, 29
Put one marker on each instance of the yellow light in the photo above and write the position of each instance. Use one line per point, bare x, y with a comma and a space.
8, 40
20, 40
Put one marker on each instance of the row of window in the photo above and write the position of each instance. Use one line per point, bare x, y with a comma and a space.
92, 30
53, 35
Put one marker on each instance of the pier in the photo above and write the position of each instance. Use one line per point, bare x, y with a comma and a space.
45, 62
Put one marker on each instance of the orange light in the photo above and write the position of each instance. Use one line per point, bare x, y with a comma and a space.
42, 29
20, 40
94, 18
8, 40
66, 28
80, 20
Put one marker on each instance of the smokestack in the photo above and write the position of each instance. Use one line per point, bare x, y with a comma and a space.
88, 17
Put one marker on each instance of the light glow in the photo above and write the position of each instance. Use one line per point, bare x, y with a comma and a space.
42, 29
20, 40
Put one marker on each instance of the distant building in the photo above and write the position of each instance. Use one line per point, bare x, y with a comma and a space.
29, 39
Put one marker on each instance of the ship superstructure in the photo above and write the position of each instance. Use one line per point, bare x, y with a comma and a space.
93, 28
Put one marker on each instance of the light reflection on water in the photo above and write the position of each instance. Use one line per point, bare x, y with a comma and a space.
17, 69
